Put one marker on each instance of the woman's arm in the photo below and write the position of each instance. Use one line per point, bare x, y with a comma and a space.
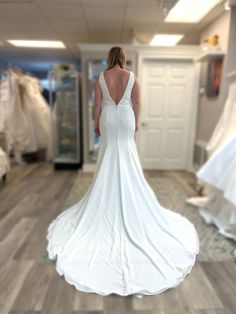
135, 96
97, 106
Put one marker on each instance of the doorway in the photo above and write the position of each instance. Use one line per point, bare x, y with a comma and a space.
166, 113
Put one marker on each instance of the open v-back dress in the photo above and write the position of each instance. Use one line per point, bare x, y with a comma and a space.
118, 238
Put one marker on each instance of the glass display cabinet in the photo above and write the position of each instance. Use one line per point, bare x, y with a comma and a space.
66, 122
95, 67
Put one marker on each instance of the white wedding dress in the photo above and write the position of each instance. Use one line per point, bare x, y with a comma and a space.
218, 175
24, 115
118, 238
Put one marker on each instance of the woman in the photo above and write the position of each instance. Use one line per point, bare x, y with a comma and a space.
118, 238
116, 76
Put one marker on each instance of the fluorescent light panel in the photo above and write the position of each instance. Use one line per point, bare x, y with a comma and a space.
165, 39
190, 11
38, 43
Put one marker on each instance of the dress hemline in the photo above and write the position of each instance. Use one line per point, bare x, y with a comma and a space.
53, 256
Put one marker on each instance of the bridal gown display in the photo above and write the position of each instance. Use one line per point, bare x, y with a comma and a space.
13, 115
24, 115
218, 174
118, 238
227, 122
38, 114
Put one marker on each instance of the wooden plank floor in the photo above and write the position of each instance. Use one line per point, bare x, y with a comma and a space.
35, 194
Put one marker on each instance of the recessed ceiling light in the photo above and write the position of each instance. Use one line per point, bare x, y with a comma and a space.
165, 39
38, 43
190, 11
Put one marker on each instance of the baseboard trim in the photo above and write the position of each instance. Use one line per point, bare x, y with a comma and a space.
88, 168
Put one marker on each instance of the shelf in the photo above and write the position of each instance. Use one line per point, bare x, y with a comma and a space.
210, 54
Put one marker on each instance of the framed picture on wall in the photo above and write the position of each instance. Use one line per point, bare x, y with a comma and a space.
214, 77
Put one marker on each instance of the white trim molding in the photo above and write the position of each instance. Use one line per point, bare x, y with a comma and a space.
89, 167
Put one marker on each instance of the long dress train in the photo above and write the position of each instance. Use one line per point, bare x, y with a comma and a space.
118, 238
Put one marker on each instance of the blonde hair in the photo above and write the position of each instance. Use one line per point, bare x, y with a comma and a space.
116, 55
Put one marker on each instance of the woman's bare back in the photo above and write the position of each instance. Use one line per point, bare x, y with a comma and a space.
116, 80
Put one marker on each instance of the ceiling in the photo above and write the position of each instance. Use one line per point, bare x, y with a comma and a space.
86, 21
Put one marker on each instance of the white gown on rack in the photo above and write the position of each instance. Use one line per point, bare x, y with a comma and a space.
226, 124
218, 174
118, 238
25, 115
220, 170
38, 114
15, 119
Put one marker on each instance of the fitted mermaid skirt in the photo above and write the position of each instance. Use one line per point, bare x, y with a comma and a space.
118, 238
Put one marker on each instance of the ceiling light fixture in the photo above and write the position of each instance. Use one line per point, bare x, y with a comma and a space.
165, 39
38, 43
190, 11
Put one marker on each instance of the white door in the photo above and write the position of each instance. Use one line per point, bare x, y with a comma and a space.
164, 128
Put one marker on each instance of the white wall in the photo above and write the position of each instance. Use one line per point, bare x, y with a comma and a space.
220, 27
210, 109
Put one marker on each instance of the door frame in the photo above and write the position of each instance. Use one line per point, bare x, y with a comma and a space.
181, 53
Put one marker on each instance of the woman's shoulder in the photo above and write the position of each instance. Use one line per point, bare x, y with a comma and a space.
117, 70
